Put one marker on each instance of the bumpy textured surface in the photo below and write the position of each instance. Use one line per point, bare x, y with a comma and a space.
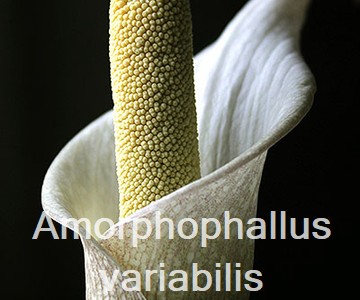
153, 92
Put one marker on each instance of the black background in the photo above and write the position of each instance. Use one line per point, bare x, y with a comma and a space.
54, 80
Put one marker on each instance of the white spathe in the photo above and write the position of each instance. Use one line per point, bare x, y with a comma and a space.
252, 88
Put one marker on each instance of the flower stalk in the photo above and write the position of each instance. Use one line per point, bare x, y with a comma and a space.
154, 105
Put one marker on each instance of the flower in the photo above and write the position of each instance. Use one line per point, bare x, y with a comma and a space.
252, 88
